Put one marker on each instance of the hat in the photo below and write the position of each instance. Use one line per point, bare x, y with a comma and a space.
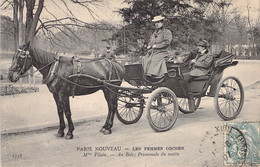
203, 43
157, 18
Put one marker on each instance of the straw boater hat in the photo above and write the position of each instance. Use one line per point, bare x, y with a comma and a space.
157, 18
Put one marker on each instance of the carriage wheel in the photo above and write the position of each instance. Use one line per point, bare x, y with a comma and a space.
229, 98
162, 109
129, 109
184, 105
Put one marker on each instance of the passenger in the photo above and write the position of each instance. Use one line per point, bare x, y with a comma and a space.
154, 64
107, 53
200, 65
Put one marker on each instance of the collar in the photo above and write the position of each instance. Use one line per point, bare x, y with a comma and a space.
160, 28
157, 31
203, 52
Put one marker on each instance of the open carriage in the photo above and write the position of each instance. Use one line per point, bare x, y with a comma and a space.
169, 96
72, 76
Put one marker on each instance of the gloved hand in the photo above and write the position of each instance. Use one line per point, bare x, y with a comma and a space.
193, 61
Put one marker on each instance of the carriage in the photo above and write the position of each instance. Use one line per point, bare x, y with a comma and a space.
67, 77
169, 95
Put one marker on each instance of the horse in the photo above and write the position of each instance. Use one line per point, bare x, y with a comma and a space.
62, 86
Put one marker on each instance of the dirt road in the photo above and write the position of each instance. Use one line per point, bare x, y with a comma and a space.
189, 143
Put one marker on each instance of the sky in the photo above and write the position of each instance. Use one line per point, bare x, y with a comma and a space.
253, 5
105, 11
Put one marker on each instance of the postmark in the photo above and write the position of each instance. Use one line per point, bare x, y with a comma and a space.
231, 144
241, 144
211, 147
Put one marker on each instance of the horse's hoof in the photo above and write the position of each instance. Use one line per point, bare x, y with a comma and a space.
102, 130
69, 136
60, 135
107, 132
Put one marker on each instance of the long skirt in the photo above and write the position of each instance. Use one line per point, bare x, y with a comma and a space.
155, 64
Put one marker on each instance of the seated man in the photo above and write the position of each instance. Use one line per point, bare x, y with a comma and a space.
200, 65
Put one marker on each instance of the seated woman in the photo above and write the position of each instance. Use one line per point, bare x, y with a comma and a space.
154, 64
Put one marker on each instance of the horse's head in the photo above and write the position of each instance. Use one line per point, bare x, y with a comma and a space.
21, 63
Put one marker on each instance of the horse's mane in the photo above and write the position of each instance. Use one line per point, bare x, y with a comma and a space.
43, 56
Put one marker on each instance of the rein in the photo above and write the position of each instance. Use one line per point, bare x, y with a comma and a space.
83, 86
104, 83
26, 56
39, 68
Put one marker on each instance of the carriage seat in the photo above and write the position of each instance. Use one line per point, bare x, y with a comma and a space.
201, 78
222, 58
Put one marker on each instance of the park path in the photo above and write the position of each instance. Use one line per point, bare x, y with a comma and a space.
42, 148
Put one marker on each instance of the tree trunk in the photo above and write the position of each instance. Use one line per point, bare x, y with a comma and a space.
16, 29
29, 17
21, 7
35, 22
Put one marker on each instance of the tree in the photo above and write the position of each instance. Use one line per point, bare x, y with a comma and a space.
240, 23
187, 20
35, 24
7, 34
255, 33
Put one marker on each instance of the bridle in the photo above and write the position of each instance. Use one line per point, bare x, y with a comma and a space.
26, 55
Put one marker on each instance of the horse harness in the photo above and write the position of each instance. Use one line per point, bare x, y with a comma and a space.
78, 72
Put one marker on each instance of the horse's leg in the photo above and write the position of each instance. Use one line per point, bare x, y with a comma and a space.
66, 108
111, 99
61, 117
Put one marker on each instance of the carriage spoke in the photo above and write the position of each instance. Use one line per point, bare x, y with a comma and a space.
130, 109
124, 113
169, 120
230, 99
123, 110
164, 120
228, 106
131, 117
161, 118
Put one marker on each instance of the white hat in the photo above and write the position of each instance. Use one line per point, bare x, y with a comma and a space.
157, 18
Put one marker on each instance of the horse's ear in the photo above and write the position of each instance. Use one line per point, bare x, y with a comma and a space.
27, 46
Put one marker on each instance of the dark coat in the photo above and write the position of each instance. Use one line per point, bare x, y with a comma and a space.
202, 64
154, 64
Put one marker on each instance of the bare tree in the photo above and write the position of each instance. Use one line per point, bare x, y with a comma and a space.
34, 23
250, 30
20, 20
15, 21
240, 23
221, 10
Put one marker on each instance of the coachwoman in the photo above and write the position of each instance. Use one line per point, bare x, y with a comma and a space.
154, 64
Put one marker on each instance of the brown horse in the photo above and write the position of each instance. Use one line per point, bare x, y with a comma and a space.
62, 86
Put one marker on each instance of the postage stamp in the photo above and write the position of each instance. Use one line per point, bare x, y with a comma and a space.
241, 144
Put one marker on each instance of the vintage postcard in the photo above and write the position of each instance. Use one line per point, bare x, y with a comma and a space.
127, 83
